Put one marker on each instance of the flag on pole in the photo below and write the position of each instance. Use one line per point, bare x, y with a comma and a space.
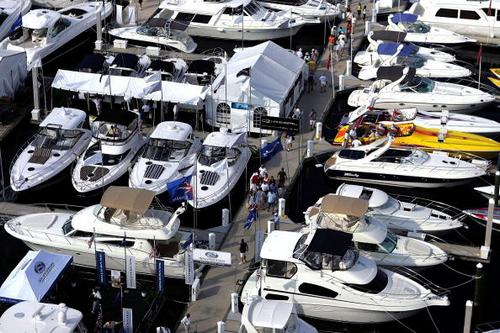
180, 190
271, 149
252, 216
19, 23
188, 242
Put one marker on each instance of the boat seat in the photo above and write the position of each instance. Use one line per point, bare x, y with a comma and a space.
40, 155
167, 250
331, 161
92, 173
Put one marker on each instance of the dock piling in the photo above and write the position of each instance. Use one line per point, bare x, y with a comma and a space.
468, 316
221, 327
35, 113
281, 207
368, 27
310, 148
211, 241
234, 303
348, 67
319, 130
270, 226
341, 82
485, 249
497, 186
225, 217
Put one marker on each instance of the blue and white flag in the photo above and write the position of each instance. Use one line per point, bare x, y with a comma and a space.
180, 190
17, 24
188, 242
271, 149
252, 216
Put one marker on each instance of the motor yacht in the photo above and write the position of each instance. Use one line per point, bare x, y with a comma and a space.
378, 163
262, 315
226, 20
327, 280
115, 142
222, 160
470, 18
171, 151
419, 32
405, 213
58, 143
313, 11
122, 223
399, 88
158, 31
10, 12
44, 31
392, 54
396, 40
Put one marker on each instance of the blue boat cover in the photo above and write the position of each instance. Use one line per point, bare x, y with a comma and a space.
390, 48
404, 17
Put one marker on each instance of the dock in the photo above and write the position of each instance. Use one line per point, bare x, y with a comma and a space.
462, 252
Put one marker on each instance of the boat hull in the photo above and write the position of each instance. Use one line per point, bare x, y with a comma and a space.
236, 34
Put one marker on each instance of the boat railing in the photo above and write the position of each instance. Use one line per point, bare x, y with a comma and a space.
20, 151
422, 280
58, 206
449, 169
473, 83
442, 207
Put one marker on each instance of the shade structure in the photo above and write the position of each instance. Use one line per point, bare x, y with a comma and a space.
132, 199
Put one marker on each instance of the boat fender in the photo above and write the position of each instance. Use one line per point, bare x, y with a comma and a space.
442, 134
444, 117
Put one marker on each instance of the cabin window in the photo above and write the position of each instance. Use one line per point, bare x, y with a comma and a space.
202, 18
369, 247
276, 297
375, 286
351, 154
117, 242
446, 12
469, 15
223, 115
489, 11
257, 115
312, 289
59, 26
184, 16
498, 15
281, 269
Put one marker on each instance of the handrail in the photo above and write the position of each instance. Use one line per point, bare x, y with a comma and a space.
442, 207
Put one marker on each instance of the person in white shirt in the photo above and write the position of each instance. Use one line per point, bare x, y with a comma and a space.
300, 54
356, 143
262, 171
296, 113
323, 82
186, 322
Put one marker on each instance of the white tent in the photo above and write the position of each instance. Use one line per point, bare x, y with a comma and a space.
34, 276
265, 78
13, 71
185, 94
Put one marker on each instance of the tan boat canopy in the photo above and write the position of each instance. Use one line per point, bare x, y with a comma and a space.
128, 199
336, 204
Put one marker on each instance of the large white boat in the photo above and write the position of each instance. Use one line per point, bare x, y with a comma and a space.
44, 31
262, 315
369, 233
470, 18
378, 163
158, 31
58, 142
419, 32
398, 88
223, 159
122, 224
115, 142
56, 3
11, 12
416, 215
310, 10
327, 280
170, 152
226, 19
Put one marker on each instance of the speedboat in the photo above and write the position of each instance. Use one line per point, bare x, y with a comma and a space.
44, 31
121, 222
392, 54
369, 233
486, 191
222, 160
58, 142
158, 31
227, 18
262, 315
313, 11
378, 163
328, 280
419, 32
56, 3
10, 13
469, 18
170, 152
115, 142
396, 40
481, 214
399, 88
406, 213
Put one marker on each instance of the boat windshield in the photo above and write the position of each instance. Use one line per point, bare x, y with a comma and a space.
419, 85
389, 243
252, 8
166, 150
418, 157
414, 62
389, 207
112, 132
418, 27
55, 138
211, 154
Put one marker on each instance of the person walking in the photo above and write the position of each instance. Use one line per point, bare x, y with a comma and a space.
312, 115
281, 178
358, 9
322, 83
96, 300
364, 13
186, 322
243, 251
271, 201
289, 142
140, 4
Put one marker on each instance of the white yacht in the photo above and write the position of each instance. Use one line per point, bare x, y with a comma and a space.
393, 54
58, 142
416, 215
377, 163
327, 280
121, 224
115, 142
399, 88
10, 12
56, 3
171, 151
223, 159
369, 233
262, 315
44, 31
313, 11
226, 20
470, 18
396, 40
35, 317
487, 191
419, 32
158, 31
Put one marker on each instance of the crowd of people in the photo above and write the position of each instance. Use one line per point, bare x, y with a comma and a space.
265, 190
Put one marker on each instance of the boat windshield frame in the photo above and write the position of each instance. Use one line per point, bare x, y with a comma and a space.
417, 27
421, 85
113, 132
160, 149
389, 244
56, 138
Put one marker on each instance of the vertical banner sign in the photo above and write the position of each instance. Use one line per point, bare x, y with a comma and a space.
128, 323
189, 266
130, 272
259, 240
100, 262
160, 275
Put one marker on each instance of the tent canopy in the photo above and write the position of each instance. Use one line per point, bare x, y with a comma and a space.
336, 204
132, 199
221, 139
14, 70
34, 276
328, 241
